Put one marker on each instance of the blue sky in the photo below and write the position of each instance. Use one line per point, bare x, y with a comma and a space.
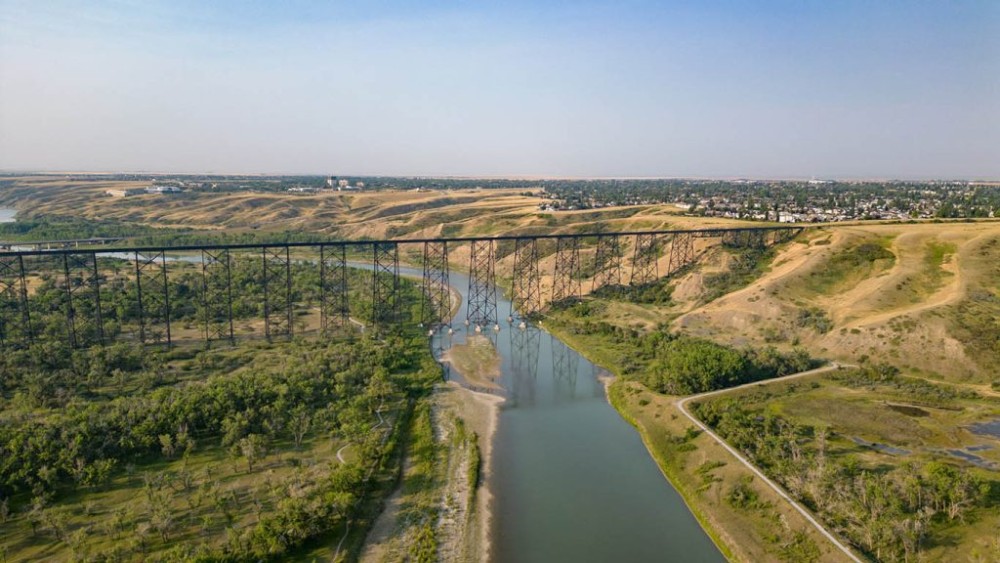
758, 89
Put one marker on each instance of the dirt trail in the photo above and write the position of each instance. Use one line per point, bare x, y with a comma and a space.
682, 406
862, 306
902, 315
763, 299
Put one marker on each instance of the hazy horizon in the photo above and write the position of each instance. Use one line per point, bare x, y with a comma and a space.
777, 90
524, 177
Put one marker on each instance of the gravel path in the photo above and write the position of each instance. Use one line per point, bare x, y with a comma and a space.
682, 405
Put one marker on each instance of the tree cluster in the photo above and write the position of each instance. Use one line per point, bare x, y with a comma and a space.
890, 513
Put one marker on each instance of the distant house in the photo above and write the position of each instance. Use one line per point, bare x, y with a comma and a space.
163, 190
341, 184
124, 192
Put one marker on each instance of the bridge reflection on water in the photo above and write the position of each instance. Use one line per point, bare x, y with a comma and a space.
570, 479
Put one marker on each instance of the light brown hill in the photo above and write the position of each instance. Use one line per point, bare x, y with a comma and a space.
393, 214
901, 310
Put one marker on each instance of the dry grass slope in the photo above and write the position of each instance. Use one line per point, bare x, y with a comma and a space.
899, 307
394, 214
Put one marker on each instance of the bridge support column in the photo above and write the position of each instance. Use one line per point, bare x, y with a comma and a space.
335, 313
15, 319
82, 300
482, 307
607, 262
217, 294
152, 297
681, 252
527, 298
644, 269
435, 308
566, 273
277, 283
385, 286
779, 236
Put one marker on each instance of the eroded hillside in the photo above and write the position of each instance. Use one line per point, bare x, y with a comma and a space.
923, 297
355, 214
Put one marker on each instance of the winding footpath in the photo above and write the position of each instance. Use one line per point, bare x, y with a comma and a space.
340, 458
682, 406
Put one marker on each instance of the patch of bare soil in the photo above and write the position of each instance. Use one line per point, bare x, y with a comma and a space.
477, 360
464, 523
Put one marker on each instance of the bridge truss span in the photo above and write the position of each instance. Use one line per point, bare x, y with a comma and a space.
101, 295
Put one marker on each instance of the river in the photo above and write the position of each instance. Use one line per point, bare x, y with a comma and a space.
571, 480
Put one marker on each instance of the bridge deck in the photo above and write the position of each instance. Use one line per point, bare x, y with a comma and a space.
712, 232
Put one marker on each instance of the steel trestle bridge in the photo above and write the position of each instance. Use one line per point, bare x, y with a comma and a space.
573, 264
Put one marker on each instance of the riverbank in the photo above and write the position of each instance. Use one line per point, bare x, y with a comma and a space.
441, 505
477, 361
705, 474
479, 413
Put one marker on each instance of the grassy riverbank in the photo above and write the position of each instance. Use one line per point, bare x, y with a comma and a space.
871, 457
708, 478
439, 510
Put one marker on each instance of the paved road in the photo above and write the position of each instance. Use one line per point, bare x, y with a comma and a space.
681, 404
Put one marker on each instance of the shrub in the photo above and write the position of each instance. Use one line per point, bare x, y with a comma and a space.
742, 494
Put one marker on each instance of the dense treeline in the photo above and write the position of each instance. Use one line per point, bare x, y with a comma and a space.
248, 402
27, 229
187, 428
87, 439
683, 365
50, 227
891, 514
679, 364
